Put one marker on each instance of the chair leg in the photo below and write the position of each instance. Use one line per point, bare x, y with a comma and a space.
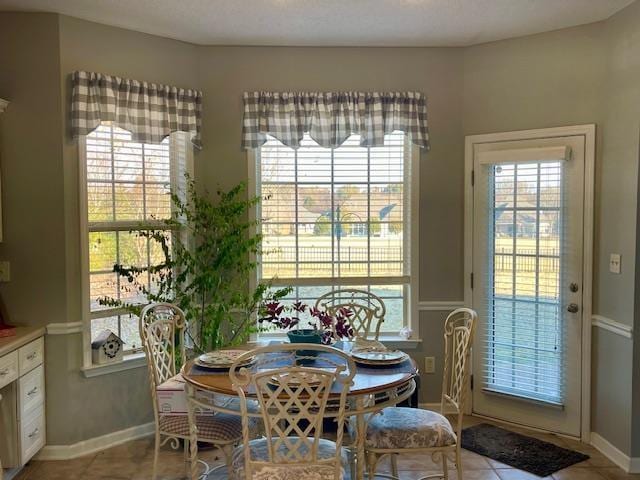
459, 463
156, 453
228, 453
445, 467
186, 450
393, 459
372, 464
352, 463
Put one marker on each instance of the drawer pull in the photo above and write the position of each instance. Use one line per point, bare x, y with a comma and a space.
34, 433
33, 391
4, 372
32, 355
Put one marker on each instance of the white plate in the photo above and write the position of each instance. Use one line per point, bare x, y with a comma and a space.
220, 358
389, 356
312, 379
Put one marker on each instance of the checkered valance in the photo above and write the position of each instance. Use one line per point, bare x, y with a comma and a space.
331, 117
148, 110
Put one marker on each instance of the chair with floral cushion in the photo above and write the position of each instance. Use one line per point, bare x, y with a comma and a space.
365, 310
293, 388
162, 332
396, 430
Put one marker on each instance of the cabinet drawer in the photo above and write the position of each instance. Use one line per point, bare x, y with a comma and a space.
31, 355
31, 390
32, 434
8, 368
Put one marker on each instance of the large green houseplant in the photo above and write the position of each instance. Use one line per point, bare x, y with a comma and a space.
209, 251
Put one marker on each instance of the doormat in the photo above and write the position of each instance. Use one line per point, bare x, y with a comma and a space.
519, 451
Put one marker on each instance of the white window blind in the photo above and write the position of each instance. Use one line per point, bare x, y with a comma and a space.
338, 218
128, 187
524, 331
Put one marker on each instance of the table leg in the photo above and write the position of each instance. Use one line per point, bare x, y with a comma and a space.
193, 437
360, 439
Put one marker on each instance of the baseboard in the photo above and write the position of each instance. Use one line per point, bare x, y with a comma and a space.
626, 463
93, 445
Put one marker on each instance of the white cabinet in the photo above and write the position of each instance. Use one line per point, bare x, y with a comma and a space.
9, 370
31, 355
22, 385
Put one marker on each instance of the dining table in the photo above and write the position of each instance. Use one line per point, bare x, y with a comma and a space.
373, 388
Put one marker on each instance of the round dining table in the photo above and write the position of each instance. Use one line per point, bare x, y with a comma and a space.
372, 389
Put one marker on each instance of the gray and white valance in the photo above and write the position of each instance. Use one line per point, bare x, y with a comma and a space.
331, 117
149, 111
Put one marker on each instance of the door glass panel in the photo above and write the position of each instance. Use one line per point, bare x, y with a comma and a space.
524, 328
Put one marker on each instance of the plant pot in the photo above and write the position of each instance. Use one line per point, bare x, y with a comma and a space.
307, 335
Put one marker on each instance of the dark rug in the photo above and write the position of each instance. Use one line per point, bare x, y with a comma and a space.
519, 451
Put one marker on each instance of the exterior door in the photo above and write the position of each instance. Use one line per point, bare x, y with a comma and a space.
527, 264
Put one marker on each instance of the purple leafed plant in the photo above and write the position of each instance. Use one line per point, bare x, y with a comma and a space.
289, 317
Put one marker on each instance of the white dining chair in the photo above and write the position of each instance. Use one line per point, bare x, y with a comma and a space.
396, 430
162, 331
293, 397
368, 310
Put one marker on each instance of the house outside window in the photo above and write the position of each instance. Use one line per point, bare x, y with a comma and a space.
340, 217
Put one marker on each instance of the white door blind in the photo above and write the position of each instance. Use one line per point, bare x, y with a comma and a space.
524, 331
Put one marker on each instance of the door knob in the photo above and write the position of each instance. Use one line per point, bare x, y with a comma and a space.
573, 287
573, 308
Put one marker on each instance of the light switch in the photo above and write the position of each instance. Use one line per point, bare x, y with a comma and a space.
614, 263
429, 365
5, 272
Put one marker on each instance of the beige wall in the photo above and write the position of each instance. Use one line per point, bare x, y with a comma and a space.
225, 72
559, 78
619, 295
588, 74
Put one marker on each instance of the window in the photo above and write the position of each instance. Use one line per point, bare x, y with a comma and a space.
128, 186
338, 218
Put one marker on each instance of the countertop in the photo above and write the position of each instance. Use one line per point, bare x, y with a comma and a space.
23, 336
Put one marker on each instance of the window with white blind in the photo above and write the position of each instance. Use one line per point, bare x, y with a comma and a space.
127, 188
338, 218
524, 337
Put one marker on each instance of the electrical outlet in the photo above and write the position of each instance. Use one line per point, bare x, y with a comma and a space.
614, 263
5, 272
429, 364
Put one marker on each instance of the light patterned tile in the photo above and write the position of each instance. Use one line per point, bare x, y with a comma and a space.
415, 461
514, 474
573, 473
475, 475
133, 461
473, 461
616, 473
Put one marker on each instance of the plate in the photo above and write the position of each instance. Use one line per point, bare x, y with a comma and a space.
387, 357
312, 379
226, 368
221, 358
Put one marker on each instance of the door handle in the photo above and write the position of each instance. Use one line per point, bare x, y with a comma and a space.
573, 308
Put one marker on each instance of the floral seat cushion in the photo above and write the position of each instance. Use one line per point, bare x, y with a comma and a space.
401, 427
296, 471
220, 427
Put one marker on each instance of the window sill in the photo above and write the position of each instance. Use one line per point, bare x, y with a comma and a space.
134, 360
400, 343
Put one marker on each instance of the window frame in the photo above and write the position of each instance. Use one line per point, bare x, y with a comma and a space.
132, 358
410, 244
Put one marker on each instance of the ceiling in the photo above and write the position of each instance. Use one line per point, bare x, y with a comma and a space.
333, 22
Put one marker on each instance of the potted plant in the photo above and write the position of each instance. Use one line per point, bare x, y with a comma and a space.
208, 254
321, 328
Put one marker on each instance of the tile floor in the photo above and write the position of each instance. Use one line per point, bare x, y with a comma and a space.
133, 461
